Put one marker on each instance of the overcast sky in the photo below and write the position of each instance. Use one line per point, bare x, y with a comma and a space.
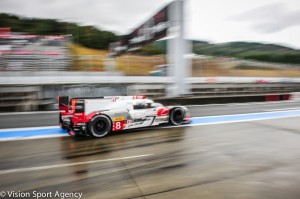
267, 21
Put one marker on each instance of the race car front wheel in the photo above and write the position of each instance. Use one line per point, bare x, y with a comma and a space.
100, 126
177, 116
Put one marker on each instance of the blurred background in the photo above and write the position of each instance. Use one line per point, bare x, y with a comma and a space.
46, 52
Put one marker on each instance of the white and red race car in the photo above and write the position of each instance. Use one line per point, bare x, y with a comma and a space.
99, 116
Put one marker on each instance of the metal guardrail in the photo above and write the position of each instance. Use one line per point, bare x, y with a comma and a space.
67, 77
64, 78
197, 100
30, 90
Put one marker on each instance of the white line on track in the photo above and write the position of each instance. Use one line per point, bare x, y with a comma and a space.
264, 103
28, 113
238, 121
67, 165
33, 137
226, 122
29, 128
283, 109
242, 114
245, 104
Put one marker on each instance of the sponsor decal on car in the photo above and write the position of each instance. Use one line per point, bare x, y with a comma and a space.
129, 122
118, 119
140, 121
120, 125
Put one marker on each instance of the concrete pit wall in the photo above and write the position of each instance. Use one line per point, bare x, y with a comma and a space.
32, 98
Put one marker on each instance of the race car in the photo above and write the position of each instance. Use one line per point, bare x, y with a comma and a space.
99, 116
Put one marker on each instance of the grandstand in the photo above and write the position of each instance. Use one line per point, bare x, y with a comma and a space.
20, 52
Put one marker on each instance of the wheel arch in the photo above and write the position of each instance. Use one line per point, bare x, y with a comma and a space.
170, 114
100, 113
94, 120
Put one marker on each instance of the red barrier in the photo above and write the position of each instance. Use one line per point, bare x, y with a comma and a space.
287, 97
277, 97
269, 98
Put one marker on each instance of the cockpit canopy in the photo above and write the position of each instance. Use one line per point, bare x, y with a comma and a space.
145, 104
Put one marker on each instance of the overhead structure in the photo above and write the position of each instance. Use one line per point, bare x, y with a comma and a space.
154, 28
177, 48
168, 23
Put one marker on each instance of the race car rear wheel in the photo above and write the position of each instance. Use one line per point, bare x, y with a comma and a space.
177, 116
100, 126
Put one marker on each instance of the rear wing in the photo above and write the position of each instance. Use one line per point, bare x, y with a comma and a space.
63, 103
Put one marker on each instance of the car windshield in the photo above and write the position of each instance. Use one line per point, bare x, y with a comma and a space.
155, 105
140, 106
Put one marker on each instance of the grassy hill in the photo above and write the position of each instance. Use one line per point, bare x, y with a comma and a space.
88, 36
250, 50
242, 50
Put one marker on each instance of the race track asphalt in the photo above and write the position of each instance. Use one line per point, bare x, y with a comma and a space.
252, 159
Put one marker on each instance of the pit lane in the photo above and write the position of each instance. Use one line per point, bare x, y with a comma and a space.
251, 159
50, 118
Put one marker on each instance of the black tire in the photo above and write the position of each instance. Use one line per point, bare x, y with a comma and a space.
177, 116
63, 127
100, 126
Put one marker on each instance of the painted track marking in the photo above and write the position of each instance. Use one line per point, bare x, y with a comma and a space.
283, 109
67, 165
29, 113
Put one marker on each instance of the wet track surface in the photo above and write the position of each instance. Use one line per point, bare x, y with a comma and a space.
255, 159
